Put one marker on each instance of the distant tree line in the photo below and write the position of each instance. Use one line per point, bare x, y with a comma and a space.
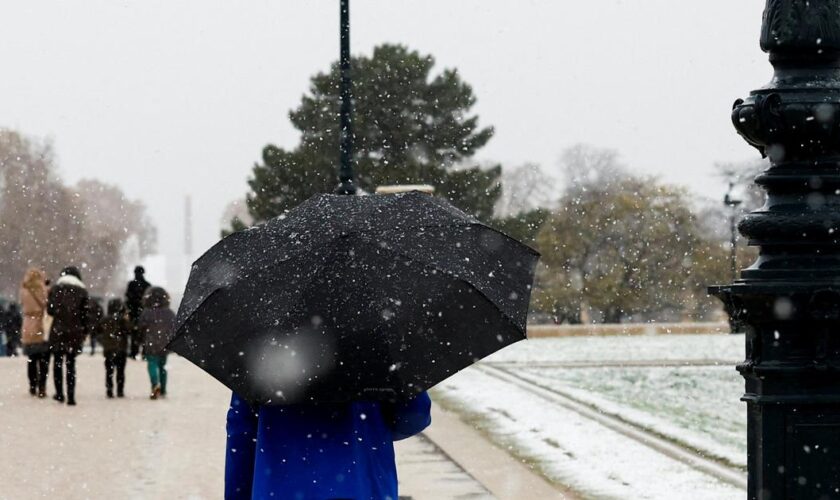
615, 246
622, 247
47, 223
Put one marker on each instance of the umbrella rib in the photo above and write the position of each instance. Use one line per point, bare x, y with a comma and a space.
234, 337
190, 315
443, 271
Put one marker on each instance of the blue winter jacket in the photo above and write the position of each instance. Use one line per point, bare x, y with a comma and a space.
318, 452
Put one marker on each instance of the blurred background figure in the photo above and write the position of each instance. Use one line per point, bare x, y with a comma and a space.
33, 301
95, 314
48, 319
68, 304
3, 336
156, 325
134, 304
4, 325
13, 324
113, 332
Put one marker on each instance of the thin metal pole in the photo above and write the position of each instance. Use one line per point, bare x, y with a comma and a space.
347, 184
732, 204
733, 249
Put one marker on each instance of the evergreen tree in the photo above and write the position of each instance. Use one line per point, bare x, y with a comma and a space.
410, 127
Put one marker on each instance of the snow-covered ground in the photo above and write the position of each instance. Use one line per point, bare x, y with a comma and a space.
681, 387
696, 406
134, 448
716, 347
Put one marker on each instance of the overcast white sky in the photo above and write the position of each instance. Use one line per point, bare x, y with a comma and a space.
168, 98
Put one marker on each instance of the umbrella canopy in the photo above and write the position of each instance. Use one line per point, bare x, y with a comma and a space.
353, 297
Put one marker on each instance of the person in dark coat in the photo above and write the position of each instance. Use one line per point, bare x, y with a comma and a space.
4, 319
95, 314
68, 304
134, 293
14, 322
157, 326
318, 451
112, 332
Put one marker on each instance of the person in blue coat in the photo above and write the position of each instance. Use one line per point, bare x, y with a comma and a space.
318, 452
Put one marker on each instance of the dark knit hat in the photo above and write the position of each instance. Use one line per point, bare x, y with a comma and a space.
71, 271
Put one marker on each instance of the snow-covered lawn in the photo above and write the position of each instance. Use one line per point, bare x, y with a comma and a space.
625, 348
696, 406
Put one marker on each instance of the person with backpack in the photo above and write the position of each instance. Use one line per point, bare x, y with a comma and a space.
112, 331
156, 325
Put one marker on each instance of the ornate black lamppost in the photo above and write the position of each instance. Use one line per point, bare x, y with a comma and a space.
789, 299
347, 184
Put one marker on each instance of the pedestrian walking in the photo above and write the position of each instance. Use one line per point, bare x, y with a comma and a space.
4, 325
48, 319
95, 314
14, 322
157, 326
33, 301
68, 304
318, 450
113, 331
134, 294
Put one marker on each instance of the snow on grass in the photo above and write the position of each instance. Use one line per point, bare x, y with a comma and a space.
622, 348
571, 449
697, 406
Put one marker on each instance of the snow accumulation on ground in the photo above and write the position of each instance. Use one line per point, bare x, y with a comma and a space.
713, 347
697, 406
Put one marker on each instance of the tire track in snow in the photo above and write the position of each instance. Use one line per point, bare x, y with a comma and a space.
729, 475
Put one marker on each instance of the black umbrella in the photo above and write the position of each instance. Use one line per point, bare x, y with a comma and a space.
353, 297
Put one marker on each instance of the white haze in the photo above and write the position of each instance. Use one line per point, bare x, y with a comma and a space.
178, 97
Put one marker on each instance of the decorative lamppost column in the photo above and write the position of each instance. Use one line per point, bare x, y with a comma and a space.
789, 300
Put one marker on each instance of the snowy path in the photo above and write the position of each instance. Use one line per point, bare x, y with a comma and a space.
120, 448
134, 448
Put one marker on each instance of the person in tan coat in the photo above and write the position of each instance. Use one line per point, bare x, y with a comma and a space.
33, 300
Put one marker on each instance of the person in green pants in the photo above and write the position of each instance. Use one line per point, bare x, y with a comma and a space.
157, 323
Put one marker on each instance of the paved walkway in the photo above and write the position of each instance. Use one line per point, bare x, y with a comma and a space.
173, 448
